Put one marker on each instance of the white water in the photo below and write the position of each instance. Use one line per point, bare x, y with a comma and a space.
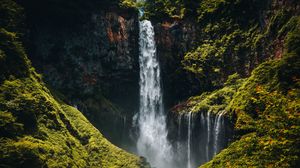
218, 129
208, 135
189, 140
203, 124
152, 142
203, 139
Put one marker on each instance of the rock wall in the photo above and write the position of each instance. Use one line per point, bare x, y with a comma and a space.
257, 41
174, 39
94, 64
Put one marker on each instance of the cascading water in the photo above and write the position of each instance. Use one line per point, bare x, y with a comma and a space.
189, 140
208, 134
192, 149
200, 136
218, 131
152, 141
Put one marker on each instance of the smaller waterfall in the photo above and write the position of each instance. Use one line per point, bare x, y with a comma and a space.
189, 140
200, 136
178, 144
203, 125
218, 130
208, 135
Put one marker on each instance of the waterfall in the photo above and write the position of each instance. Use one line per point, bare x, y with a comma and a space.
218, 129
178, 145
208, 135
205, 135
152, 141
189, 140
203, 122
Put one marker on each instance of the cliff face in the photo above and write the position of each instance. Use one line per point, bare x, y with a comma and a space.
256, 42
38, 129
174, 39
94, 64
200, 50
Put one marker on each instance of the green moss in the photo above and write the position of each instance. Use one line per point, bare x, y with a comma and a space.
266, 108
234, 38
213, 102
129, 4
176, 9
12, 16
12, 53
209, 7
55, 134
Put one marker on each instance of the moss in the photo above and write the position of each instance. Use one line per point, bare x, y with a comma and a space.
12, 53
9, 126
175, 9
129, 4
209, 7
233, 38
12, 16
213, 102
266, 107
55, 134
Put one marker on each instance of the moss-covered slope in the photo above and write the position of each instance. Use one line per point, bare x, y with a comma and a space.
36, 128
214, 101
266, 107
265, 112
39, 131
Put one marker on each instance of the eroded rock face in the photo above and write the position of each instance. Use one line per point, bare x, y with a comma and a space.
174, 39
177, 37
95, 66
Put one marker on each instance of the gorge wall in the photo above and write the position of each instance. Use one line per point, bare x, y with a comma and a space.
239, 41
214, 52
93, 62
38, 129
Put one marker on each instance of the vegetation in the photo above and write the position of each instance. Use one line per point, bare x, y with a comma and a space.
36, 128
38, 131
232, 36
265, 108
214, 101
176, 9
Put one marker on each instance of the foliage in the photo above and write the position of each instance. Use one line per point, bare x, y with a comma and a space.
209, 7
215, 101
232, 34
11, 51
177, 9
266, 108
38, 130
128, 3
11, 15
